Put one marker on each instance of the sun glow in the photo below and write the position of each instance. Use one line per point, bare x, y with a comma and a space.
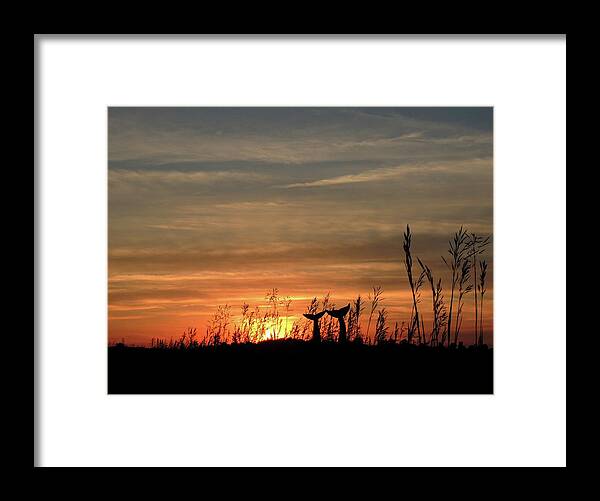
269, 333
275, 328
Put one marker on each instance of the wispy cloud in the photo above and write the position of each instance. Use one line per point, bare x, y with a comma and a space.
361, 177
171, 177
387, 173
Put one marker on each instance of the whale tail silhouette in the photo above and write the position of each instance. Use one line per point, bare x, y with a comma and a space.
316, 337
339, 313
316, 316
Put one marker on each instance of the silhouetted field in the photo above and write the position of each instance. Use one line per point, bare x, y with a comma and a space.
293, 366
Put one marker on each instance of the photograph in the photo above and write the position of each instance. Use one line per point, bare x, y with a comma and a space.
300, 250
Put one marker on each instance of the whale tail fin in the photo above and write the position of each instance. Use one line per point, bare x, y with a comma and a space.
316, 316
339, 313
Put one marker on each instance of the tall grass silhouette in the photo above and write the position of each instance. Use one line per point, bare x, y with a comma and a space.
482, 290
464, 287
354, 332
381, 327
416, 324
457, 248
375, 297
440, 316
477, 246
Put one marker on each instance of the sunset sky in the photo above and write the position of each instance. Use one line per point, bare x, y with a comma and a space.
214, 206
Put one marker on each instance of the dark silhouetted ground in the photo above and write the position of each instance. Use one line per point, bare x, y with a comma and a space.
300, 367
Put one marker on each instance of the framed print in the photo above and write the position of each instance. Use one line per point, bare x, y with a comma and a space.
309, 250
